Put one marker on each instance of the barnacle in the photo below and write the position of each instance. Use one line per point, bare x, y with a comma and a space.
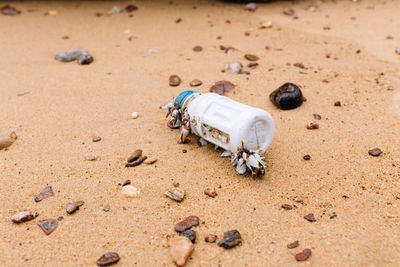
247, 159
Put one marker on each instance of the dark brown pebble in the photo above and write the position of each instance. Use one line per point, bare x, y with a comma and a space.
74, 206
210, 192
312, 126
287, 206
196, 82
251, 57
135, 155
251, 7
48, 226
126, 182
178, 20
174, 80
231, 239
337, 104
210, 238
317, 117
60, 218
184, 151
299, 65
310, 217
130, 8
288, 96
190, 234
304, 255
136, 162
307, 157
252, 65
47, 192
197, 48
222, 87
292, 245
96, 139
108, 259
288, 11
8, 10
187, 223
375, 152
65, 37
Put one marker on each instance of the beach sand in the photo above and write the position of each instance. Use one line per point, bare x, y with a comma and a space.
66, 104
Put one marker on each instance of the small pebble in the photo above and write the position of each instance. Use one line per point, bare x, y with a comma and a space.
187, 223
130, 8
53, 12
106, 208
252, 65
337, 104
375, 152
288, 96
135, 155
8, 10
317, 117
176, 194
108, 259
292, 245
235, 67
312, 126
180, 248
84, 58
47, 192
287, 206
310, 217
265, 25
307, 157
174, 80
115, 10
210, 192
137, 162
288, 11
24, 216
231, 239
210, 238
91, 157
304, 255
298, 199
197, 48
190, 234
127, 182
67, 56
196, 82
251, 57
7, 139
251, 7
135, 115
96, 139
60, 218
130, 191
48, 226
74, 206
397, 51
222, 87
151, 160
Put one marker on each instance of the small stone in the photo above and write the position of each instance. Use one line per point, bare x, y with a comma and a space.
326, 28
48, 226
210, 192
135, 115
375, 152
298, 199
288, 11
299, 65
337, 104
176, 194
108, 259
222, 87
67, 56
178, 20
317, 117
127, 182
115, 10
8, 10
96, 139
252, 65
210, 238
304, 255
130, 8
288, 96
47, 192
137, 162
197, 48
106, 208
231, 239
235, 67
397, 50
251, 57
7, 139
307, 157
292, 245
187, 223
196, 82
24, 216
53, 12
312, 126
310, 217
74, 206
84, 58
251, 7
135, 155
130, 191
265, 25
190, 234
91, 157
151, 160
174, 80
287, 206
180, 248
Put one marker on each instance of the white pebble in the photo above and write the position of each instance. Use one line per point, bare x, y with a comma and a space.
235, 67
130, 191
135, 115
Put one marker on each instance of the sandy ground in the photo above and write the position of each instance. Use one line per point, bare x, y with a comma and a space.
68, 103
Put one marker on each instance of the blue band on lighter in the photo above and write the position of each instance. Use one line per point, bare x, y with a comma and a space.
180, 99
